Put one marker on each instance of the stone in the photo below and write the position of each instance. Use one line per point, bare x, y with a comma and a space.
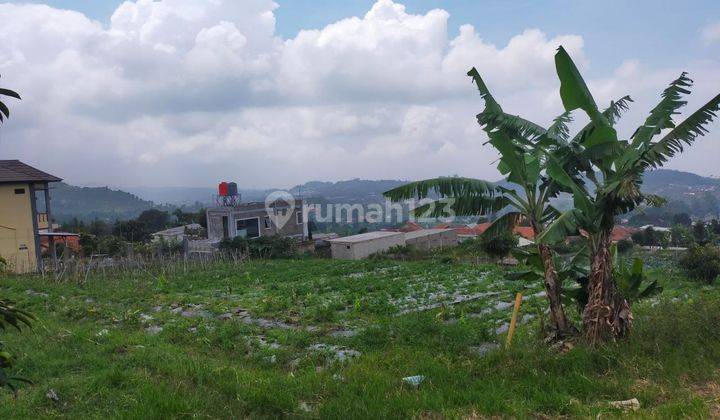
52, 395
154, 329
343, 334
484, 348
414, 381
628, 405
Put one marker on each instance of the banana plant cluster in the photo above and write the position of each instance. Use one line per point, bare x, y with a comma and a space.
601, 172
613, 170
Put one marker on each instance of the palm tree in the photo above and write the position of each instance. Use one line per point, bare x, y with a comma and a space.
4, 110
621, 165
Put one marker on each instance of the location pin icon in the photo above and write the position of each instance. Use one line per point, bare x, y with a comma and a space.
275, 202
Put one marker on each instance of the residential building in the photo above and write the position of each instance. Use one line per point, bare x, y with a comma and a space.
428, 239
358, 247
25, 215
176, 234
253, 220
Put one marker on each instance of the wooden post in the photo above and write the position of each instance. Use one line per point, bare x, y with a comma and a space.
513, 320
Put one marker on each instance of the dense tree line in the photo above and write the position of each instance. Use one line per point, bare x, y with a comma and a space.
112, 238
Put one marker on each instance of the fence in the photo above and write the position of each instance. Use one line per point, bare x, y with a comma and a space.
194, 255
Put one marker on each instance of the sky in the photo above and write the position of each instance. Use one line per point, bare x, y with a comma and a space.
272, 94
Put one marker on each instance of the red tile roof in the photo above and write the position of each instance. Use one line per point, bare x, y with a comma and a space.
410, 227
619, 233
524, 231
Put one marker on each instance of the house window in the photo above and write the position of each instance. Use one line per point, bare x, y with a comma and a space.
266, 222
299, 217
19, 191
248, 228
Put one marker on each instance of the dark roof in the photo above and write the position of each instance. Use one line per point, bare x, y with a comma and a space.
16, 171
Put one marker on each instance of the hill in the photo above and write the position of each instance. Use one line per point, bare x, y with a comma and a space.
686, 192
88, 203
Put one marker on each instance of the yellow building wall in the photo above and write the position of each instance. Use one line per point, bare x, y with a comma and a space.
17, 236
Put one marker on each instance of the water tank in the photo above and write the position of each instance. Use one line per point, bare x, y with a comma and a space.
223, 189
232, 189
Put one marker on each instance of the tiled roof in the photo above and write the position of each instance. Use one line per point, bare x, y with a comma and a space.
524, 231
619, 233
410, 227
16, 171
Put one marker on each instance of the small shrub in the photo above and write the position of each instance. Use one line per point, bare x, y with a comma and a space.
262, 247
624, 246
499, 246
702, 263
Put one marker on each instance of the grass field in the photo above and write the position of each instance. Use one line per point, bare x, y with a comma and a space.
321, 338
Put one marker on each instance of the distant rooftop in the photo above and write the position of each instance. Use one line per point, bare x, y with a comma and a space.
365, 237
16, 171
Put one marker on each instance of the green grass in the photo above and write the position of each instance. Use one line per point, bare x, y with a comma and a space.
90, 344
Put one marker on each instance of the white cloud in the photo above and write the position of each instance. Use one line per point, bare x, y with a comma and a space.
185, 92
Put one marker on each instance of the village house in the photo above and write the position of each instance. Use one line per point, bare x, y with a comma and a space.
25, 217
253, 220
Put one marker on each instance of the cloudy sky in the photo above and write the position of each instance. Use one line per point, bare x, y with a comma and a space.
271, 94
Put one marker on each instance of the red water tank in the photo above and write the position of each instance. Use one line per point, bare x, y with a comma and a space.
223, 189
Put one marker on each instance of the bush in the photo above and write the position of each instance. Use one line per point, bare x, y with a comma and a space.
702, 263
262, 247
624, 245
499, 246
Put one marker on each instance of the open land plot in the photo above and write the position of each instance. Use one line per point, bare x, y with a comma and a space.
334, 339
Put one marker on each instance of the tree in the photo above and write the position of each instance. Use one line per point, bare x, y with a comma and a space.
714, 226
700, 233
680, 236
702, 263
682, 219
499, 246
522, 161
621, 165
132, 231
154, 220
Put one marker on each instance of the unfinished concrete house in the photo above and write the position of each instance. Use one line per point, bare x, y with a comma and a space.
428, 239
232, 218
361, 246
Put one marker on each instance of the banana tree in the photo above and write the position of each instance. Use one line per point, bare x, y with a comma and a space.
621, 165
522, 162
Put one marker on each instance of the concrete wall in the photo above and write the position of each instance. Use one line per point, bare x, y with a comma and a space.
17, 231
257, 210
431, 239
361, 250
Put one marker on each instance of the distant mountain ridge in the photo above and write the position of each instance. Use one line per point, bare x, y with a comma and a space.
87, 203
106, 203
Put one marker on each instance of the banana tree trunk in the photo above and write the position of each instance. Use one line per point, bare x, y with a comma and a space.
607, 315
553, 290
